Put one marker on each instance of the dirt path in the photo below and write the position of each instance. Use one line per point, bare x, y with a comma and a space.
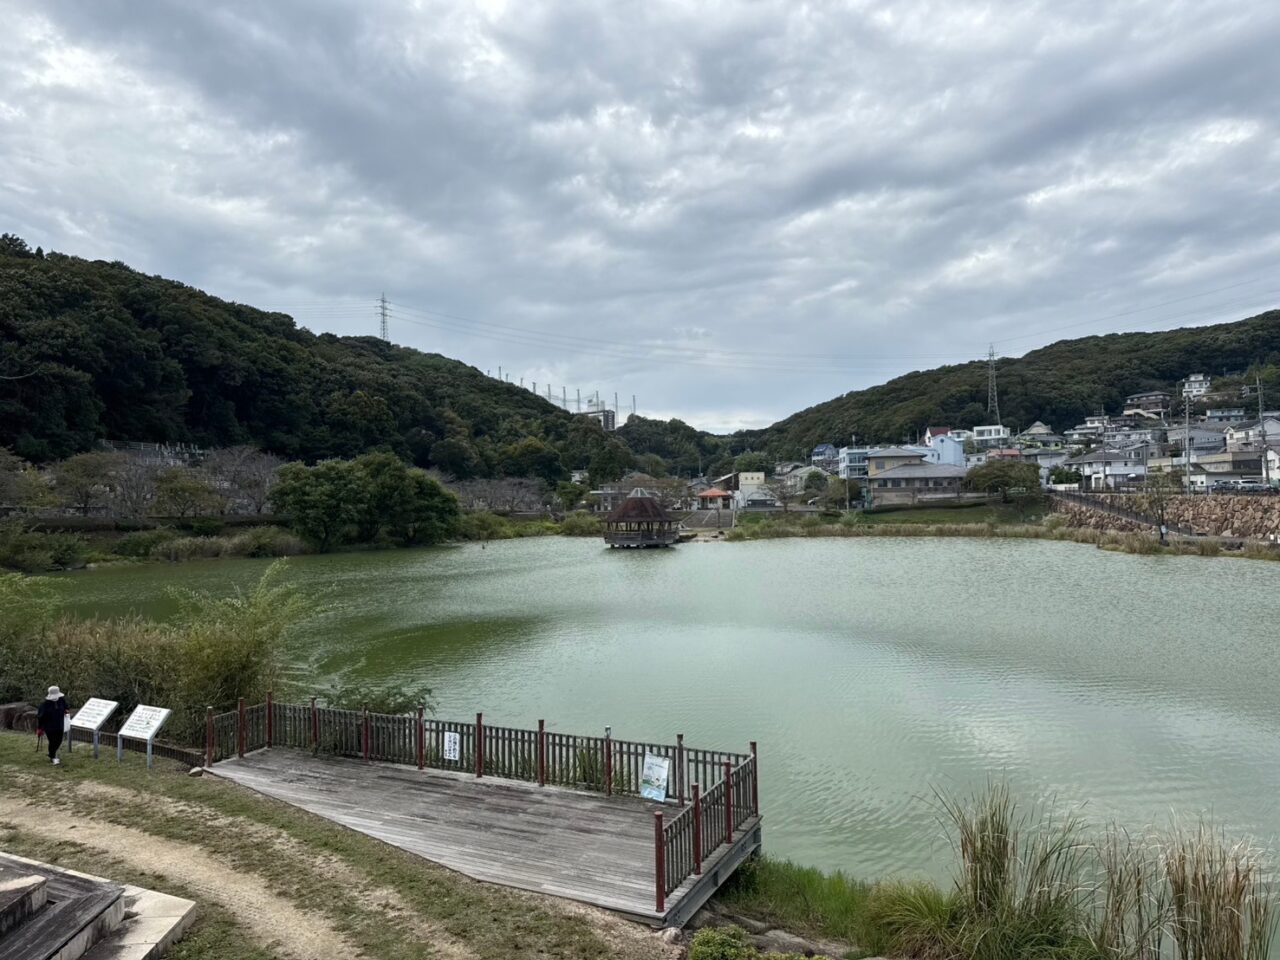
272, 921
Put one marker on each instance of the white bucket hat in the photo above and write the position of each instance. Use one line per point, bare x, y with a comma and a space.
54, 694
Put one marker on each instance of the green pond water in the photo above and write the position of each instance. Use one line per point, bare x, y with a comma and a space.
871, 672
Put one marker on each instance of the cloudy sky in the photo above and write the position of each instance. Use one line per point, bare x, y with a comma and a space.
731, 210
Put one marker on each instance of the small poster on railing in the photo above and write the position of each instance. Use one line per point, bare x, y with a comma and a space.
451, 746
653, 778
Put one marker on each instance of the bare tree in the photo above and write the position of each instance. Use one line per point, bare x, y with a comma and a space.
84, 480
133, 487
784, 492
502, 494
244, 475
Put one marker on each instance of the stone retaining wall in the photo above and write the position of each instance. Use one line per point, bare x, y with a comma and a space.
1248, 517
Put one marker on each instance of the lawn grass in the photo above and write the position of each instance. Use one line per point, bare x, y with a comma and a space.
228, 822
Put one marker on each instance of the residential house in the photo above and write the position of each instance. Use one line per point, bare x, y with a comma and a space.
782, 469
945, 449
852, 462
911, 482
1153, 403
1045, 458
1204, 439
931, 432
964, 436
1223, 415
1124, 430
826, 456
1196, 386
744, 485
1108, 469
796, 479
991, 435
1039, 435
1250, 433
1090, 431
1230, 465
886, 458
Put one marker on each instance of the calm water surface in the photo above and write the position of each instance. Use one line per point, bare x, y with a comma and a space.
870, 671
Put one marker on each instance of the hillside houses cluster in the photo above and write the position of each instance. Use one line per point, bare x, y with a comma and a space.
1215, 446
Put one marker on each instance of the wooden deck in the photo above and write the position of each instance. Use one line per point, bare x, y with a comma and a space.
565, 843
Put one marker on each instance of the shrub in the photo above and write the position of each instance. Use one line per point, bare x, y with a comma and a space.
581, 524
216, 650
188, 548
204, 526
32, 551
263, 542
722, 943
143, 542
912, 919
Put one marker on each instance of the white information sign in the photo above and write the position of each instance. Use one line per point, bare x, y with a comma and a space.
94, 714
143, 724
452, 746
653, 777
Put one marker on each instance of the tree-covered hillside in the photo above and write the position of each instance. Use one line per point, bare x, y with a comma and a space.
1059, 384
95, 350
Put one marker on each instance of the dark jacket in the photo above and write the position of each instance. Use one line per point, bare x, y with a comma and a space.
52, 715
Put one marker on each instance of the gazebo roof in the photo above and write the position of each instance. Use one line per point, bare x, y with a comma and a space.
639, 505
713, 492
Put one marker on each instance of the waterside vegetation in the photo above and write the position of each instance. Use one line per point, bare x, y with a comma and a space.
1036, 883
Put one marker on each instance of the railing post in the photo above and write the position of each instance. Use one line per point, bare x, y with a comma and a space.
366, 734
479, 744
240, 728
208, 736
315, 726
421, 730
728, 802
269, 727
659, 863
755, 780
697, 830
542, 753
608, 761
681, 773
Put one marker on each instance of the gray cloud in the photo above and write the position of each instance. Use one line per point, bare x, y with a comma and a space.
732, 210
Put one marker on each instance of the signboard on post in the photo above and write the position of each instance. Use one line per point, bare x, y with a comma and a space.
91, 716
653, 777
143, 724
452, 746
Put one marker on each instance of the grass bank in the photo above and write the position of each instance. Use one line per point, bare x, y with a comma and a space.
987, 522
267, 875
28, 550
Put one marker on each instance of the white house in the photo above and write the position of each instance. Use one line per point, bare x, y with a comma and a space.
1109, 469
945, 449
991, 435
1196, 386
1248, 433
852, 462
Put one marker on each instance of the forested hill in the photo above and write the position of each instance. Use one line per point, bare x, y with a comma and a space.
95, 350
1060, 384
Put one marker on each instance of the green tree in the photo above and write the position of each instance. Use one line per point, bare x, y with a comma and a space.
322, 502
651, 464
430, 513
1009, 478
531, 457
455, 457
385, 494
815, 483
183, 492
84, 480
750, 461
570, 494
609, 462
841, 494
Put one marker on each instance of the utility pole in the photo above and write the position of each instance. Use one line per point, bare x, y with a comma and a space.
1186, 440
1262, 433
382, 315
993, 398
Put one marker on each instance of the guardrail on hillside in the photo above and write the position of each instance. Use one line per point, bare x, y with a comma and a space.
1091, 501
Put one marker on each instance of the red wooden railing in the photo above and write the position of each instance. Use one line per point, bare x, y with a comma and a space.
713, 818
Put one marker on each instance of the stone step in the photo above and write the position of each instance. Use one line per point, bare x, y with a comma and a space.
20, 897
78, 912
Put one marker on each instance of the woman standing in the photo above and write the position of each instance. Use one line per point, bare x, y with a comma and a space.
52, 718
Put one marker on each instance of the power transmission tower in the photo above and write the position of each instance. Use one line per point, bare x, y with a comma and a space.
382, 317
993, 397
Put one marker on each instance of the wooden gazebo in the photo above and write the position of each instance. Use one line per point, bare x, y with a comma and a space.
640, 521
